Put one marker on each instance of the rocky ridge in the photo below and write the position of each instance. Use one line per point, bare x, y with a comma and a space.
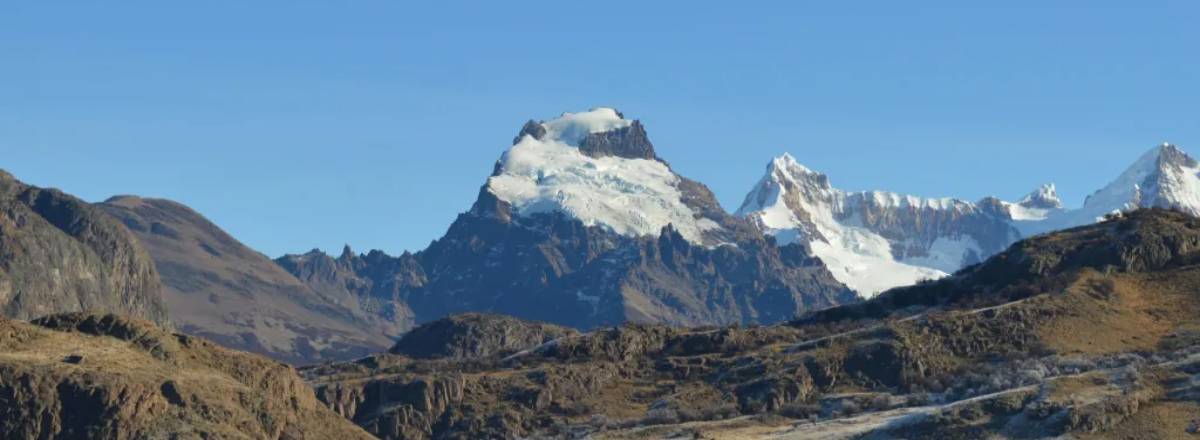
60, 254
106, 376
218, 288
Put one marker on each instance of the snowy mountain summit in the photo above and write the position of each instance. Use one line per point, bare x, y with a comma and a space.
1045, 197
601, 169
1164, 177
875, 240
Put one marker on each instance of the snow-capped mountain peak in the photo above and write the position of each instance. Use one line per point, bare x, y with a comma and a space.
573, 128
876, 240
1044, 197
870, 241
786, 163
1035, 207
1164, 177
599, 168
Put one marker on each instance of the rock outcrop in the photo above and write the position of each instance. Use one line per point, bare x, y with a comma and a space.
60, 254
106, 376
476, 335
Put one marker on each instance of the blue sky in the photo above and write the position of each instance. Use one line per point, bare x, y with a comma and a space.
296, 125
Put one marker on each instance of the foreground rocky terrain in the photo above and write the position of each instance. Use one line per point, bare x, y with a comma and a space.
1090, 332
60, 254
216, 287
92, 376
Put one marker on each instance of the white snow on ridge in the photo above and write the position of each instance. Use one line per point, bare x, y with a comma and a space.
1174, 182
632, 197
856, 256
572, 128
794, 203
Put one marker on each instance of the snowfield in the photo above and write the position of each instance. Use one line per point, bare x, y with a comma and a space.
856, 256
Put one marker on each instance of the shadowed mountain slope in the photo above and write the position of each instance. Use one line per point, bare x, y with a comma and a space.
220, 289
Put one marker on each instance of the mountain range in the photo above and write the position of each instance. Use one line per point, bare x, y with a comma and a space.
590, 291
581, 224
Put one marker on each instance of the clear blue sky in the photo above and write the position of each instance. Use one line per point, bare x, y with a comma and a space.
299, 124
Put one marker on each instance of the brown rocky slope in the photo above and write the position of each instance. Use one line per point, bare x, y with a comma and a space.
78, 376
218, 288
60, 254
1090, 332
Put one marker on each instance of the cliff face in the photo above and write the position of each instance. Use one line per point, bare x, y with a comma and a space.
104, 376
555, 269
218, 288
60, 254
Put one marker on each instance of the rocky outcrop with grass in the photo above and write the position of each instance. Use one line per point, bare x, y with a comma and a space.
107, 376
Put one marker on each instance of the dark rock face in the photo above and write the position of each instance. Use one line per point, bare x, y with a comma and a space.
378, 283
553, 268
531, 128
475, 335
630, 142
218, 288
913, 230
85, 376
60, 254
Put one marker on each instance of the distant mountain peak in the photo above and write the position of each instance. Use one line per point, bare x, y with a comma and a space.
869, 240
572, 128
1044, 197
1163, 177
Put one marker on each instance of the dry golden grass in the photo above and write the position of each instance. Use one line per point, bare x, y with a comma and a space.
1157, 421
116, 388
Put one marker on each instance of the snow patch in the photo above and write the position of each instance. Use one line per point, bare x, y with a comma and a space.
573, 128
947, 254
